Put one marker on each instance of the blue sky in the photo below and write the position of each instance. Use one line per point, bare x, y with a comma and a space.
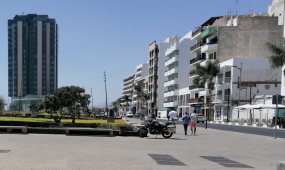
112, 35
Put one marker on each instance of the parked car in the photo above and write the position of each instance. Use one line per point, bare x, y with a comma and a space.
201, 118
130, 114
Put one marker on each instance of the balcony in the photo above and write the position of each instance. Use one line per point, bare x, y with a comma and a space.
226, 80
170, 82
197, 32
196, 87
208, 48
196, 46
200, 58
170, 93
208, 32
171, 60
192, 73
172, 48
171, 71
170, 104
196, 100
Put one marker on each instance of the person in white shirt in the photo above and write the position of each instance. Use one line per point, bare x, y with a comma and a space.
193, 121
172, 114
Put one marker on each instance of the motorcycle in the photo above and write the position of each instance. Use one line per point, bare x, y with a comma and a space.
152, 126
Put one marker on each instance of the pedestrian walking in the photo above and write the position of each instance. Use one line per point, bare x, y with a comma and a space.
186, 120
172, 114
193, 121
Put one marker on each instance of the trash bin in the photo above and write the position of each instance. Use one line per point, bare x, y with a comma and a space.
122, 130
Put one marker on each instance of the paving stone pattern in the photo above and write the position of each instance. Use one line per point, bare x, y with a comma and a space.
226, 162
61, 152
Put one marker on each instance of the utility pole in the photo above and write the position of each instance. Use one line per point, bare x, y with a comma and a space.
228, 104
106, 93
236, 8
239, 84
92, 99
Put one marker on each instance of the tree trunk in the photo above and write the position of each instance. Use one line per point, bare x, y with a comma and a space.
73, 117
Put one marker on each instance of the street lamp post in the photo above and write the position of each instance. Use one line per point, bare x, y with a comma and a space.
106, 93
228, 105
92, 109
239, 84
20, 96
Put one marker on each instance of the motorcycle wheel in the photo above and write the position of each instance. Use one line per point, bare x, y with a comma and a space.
166, 134
143, 132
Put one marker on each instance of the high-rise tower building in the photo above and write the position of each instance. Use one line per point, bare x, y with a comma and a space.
32, 58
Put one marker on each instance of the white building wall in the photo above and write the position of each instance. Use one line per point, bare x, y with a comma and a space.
183, 45
184, 60
283, 68
277, 9
253, 70
161, 69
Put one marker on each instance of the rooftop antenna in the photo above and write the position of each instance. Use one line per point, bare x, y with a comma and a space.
249, 10
236, 8
230, 13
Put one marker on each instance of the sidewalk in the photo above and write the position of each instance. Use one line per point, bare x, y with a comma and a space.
208, 150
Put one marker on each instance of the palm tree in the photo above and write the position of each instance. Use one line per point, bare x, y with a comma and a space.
277, 59
139, 91
206, 74
145, 97
126, 98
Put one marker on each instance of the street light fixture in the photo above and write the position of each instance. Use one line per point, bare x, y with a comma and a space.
239, 83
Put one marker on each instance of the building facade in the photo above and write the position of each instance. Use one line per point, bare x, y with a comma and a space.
139, 102
32, 59
127, 93
226, 38
177, 69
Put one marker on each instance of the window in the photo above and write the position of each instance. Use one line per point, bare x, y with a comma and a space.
227, 94
211, 56
219, 95
220, 78
228, 77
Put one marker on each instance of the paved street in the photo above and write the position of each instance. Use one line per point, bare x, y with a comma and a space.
210, 149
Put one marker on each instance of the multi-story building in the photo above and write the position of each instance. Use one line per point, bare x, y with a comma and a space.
127, 93
156, 79
32, 59
141, 77
225, 38
177, 69
239, 81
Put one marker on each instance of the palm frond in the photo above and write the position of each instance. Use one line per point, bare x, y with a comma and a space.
277, 59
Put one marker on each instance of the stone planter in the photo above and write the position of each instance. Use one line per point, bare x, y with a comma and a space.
122, 130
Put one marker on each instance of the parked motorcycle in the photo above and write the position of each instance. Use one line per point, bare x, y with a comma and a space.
152, 126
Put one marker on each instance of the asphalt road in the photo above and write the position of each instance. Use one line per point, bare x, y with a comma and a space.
246, 129
280, 133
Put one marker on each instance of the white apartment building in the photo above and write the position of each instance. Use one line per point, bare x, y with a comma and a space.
140, 78
128, 83
239, 81
177, 67
156, 72
277, 9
